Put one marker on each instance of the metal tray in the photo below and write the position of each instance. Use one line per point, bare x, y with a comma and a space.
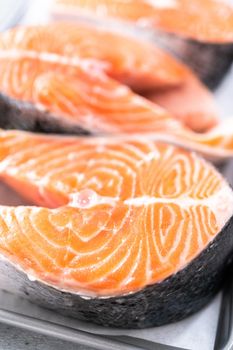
20, 313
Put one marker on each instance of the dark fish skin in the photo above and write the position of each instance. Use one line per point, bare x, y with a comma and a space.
171, 300
209, 61
15, 114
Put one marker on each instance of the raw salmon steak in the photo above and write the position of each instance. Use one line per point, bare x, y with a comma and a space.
131, 61
70, 95
185, 27
204, 20
125, 231
126, 63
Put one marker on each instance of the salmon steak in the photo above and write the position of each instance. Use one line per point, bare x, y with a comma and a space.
134, 62
138, 64
204, 20
74, 96
185, 27
124, 233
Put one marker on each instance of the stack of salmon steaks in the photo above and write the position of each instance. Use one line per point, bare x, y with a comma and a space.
108, 137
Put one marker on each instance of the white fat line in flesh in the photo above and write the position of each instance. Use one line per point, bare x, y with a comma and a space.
125, 258
98, 144
105, 164
19, 214
85, 238
19, 35
68, 247
94, 180
177, 241
8, 142
61, 285
162, 4
9, 161
213, 184
197, 162
199, 228
129, 278
55, 157
58, 96
172, 140
59, 155
119, 91
86, 64
115, 175
85, 119
104, 261
158, 240
221, 203
94, 252
213, 152
148, 158
101, 140
203, 183
165, 232
188, 238
206, 224
154, 236
167, 160
68, 170
10, 223
187, 165
99, 184
88, 121
101, 10
120, 155
13, 72
177, 181
149, 254
189, 234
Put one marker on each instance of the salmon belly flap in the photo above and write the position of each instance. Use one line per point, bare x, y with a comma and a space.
115, 220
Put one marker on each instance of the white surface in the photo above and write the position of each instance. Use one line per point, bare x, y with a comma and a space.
11, 12
224, 95
13, 338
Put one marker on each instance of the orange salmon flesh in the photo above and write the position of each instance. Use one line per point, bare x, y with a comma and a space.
203, 20
140, 65
112, 216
